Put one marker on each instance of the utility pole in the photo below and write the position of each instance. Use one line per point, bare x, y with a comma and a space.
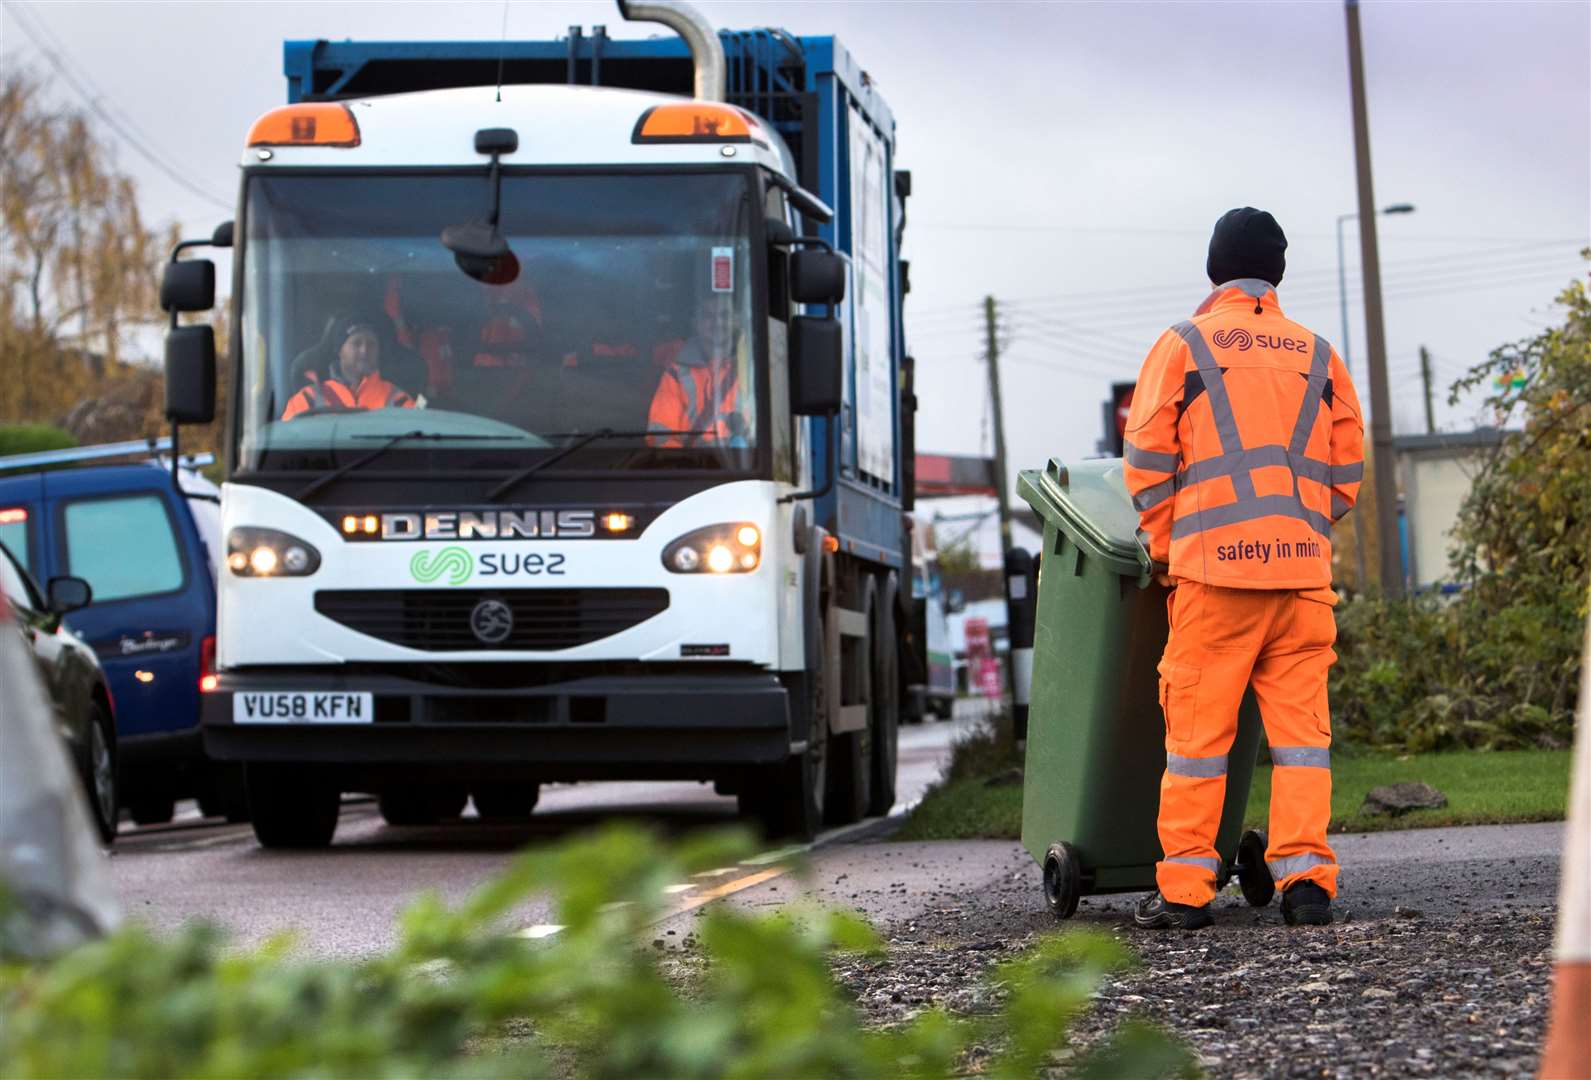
1425, 377
1375, 332
992, 355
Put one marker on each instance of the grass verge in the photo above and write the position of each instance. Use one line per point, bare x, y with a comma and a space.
1482, 787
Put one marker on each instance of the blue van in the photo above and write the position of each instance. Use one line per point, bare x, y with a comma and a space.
150, 554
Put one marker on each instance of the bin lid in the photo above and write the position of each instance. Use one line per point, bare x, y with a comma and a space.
1088, 502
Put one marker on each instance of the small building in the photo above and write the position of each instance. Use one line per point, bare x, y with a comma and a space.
1436, 473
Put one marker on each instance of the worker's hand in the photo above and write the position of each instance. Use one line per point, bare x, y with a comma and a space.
1167, 580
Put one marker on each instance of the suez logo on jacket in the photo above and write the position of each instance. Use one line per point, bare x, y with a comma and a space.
1243, 340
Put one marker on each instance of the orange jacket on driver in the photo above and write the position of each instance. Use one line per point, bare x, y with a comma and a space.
374, 393
695, 394
1244, 445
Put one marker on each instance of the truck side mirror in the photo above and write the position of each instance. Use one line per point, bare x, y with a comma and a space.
190, 373
65, 594
817, 277
188, 286
816, 365
222, 237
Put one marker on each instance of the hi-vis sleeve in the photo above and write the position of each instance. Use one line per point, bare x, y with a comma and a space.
1151, 449
1347, 440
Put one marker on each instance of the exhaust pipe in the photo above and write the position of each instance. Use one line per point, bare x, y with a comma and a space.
707, 52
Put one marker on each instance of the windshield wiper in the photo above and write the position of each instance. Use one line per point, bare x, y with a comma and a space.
581, 441
359, 462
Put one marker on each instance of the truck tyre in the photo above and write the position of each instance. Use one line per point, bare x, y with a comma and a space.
789, 803
221, 793
152, 809
421, 805
291, 808
885, 720
850, 779
506, 802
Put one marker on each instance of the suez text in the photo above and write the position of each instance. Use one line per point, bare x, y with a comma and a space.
493, 564
489, 525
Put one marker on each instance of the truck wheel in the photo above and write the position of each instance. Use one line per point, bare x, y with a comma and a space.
221, 793
421, 805
291, 808
789, 804
885, 719
506, 801
152, 809
850, 772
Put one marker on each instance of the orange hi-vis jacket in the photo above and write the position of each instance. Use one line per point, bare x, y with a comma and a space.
374, 392
694, 394
1244, 444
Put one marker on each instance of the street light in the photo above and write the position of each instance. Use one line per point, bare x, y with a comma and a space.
1347, 351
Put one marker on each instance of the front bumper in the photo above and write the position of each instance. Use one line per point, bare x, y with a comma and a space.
597, 727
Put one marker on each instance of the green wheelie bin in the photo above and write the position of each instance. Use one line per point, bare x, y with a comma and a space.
1096, 734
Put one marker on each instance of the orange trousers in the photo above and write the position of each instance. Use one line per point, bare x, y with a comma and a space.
1221, 642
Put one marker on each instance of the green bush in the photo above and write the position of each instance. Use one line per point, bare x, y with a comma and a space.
460, 996
1499, 664
33, 438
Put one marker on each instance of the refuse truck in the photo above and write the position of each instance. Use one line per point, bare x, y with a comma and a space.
564, 433
1096, 733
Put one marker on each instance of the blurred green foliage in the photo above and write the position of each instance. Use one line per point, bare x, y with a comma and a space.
33, 438
461, 995
1498, 665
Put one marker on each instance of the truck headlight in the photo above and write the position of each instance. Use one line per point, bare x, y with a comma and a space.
732, 548
256, 552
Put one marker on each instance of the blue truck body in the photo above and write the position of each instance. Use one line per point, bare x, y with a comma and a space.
149, 555
813, 92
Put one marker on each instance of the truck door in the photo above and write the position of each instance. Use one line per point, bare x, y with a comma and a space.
148, 615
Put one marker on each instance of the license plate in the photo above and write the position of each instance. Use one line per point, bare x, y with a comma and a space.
295, 708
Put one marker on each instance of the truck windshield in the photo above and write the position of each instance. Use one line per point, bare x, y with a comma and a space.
630, 314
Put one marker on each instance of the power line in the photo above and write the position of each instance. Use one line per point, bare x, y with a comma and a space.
34, 27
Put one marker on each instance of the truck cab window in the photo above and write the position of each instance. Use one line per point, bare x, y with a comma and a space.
630, 315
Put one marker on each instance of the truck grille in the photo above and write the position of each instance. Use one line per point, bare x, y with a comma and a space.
438, 620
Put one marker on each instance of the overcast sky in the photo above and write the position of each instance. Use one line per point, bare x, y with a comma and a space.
1068, 159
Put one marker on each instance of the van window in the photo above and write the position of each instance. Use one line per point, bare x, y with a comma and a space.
124, 546
14, 533
15, 585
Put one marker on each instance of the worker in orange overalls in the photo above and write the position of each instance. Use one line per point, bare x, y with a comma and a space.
1244, 445
695, 401
351, 378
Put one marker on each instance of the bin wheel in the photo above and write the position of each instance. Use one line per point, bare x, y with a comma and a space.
1063, 885
1253, 876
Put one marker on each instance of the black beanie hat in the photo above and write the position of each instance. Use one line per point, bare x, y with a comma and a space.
1247, 243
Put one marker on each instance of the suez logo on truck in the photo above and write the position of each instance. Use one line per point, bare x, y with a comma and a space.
453, 565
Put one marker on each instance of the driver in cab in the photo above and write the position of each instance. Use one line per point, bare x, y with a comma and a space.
695, 401
352, 379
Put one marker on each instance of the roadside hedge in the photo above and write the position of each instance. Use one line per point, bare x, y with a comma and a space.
1498, 665
461, 995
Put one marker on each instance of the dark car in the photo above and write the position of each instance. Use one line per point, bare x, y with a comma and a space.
73, 679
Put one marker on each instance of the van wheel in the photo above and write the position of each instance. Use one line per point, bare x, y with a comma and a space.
506, 801
291, 808
885, 716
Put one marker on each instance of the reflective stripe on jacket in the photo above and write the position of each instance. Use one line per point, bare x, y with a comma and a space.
1244, 445
694, 394
373, 393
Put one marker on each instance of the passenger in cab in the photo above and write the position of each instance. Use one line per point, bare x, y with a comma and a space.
697, 392
344, 372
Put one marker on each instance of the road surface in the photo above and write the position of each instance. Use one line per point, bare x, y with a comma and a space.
345, 900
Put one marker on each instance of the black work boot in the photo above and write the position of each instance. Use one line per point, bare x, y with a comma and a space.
1306, 904
1155, 912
